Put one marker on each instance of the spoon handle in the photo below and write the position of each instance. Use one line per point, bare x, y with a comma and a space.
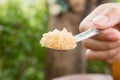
87, 34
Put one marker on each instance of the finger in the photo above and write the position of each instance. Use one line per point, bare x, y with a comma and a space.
113, 59
88, 21
101, 55
109, 34
100, 45
108, 18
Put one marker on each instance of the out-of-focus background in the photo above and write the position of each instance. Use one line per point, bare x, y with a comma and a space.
22, 23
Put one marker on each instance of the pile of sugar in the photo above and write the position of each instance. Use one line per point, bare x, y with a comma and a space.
59, 40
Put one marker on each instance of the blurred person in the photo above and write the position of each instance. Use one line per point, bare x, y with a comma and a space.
68, 14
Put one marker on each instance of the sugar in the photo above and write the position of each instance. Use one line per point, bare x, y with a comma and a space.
59, 40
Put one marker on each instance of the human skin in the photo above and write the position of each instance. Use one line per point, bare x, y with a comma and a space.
106, 45
77, 5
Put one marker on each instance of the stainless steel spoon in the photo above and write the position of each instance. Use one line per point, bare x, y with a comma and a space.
87, 34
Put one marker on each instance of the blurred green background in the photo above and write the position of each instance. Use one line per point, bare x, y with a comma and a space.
22, 23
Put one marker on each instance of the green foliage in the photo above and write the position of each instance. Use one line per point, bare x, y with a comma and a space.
21, 27
97, 67
118, 0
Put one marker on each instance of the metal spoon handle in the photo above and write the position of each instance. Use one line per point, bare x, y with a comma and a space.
87, 34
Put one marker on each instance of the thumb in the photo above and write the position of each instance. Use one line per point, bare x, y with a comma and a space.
108, 18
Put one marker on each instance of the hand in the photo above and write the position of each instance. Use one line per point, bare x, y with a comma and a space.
106, 45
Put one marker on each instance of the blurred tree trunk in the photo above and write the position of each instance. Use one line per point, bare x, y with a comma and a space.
60, 63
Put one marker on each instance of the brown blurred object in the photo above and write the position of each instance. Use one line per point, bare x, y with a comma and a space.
61, 63
85, 77
115, 70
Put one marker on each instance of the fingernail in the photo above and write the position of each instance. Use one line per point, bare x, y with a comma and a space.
88, 54
101, 21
